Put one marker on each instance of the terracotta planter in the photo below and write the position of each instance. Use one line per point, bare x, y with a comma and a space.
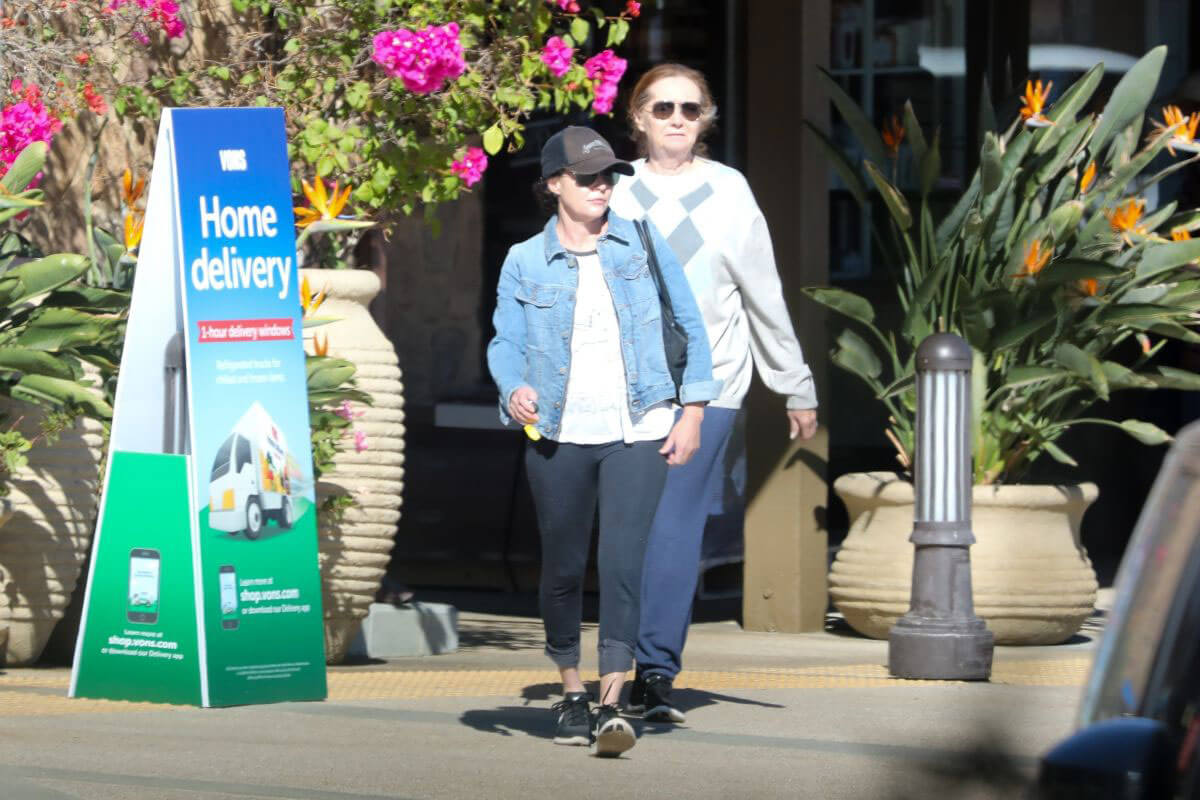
1032, 580
356, 548
45, 541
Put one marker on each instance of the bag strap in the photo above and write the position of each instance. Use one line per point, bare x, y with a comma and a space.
652, 258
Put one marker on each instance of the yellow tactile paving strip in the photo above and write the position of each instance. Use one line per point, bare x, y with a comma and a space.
17, 700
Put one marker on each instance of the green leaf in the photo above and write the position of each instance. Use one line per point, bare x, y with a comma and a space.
1144, 432
862, 128
1127, 312
580, 30
58, 393
855, 355
1069, 270
20, 359
53, 329
1022, 331
1130, 97
844, 170
1069, 104
45, 274
1179, 379
493, 139
1027, 376
27, 165
1084, 365
991, 167
1121, 377
916, 137
1058, 454
1162, 257
843, 302
891, 196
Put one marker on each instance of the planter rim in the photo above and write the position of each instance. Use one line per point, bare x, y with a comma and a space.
346, 284
891, 487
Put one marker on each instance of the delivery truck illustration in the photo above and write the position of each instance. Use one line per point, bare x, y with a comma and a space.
253, 477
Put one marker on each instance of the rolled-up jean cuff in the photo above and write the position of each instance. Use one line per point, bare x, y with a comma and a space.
615, 656
564, 658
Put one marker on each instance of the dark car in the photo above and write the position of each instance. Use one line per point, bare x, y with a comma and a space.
1139, 722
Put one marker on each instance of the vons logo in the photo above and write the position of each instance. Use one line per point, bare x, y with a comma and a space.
233, 160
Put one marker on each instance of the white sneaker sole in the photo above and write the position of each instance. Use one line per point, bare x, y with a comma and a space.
579, 741
664, 714
614, 738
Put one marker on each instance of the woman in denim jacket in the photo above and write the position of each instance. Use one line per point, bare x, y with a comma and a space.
578, 358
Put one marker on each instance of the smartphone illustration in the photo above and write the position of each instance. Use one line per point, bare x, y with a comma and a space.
143, 586
229, 598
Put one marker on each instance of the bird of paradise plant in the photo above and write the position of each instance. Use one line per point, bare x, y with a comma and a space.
1063, 282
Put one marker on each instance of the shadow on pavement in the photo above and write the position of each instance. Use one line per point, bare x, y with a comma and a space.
986, 769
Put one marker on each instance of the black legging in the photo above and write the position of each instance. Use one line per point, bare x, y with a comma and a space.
567, 481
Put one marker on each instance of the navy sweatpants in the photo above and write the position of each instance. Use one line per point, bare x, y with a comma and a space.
672, 566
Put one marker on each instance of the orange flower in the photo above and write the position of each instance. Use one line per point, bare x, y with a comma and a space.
1035, 259
320, 346
308, 303
134, 223
1124, 219
1089, 175
1035, 100
130, 191
1183, 128
1089, 286
1180, 234
893, 134
323, 206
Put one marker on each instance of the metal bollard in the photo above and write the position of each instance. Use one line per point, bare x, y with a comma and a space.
940, 638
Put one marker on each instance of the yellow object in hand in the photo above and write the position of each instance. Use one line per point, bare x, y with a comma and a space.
533, 433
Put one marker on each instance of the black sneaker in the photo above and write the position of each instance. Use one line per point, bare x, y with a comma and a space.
574, 719
658, 705
637, 694
612, 735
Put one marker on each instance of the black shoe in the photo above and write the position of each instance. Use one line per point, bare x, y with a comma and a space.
612, 735
574, 719
658, 705
637, 694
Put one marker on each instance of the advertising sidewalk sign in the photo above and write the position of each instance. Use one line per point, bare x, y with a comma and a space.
204, 586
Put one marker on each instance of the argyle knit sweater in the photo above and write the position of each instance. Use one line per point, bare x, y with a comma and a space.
713, 224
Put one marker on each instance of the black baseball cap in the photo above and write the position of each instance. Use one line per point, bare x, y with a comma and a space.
581, 150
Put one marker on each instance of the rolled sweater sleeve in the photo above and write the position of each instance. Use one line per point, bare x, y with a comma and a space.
773, 343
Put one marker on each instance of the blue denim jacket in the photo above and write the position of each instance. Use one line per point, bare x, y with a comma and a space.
535, 316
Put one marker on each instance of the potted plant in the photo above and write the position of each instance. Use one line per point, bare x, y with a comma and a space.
1065, 289
52, 431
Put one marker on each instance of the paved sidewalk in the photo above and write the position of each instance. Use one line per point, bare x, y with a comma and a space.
769, 715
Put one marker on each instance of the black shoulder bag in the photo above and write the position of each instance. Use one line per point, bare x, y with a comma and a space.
675, 339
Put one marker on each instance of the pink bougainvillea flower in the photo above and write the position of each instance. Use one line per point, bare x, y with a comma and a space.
556, 55
569, 6
163, 12
471, 166
360, 441
23, 122
605, 69
633, 8
423, 60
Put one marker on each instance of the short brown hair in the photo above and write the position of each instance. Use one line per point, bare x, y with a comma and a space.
641, 94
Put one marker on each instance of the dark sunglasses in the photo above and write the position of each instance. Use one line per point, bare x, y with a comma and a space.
586, 180
665, 109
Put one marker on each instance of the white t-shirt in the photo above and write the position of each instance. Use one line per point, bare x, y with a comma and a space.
596, 410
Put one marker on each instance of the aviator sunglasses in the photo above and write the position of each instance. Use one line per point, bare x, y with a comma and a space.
665, 109
586, 180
